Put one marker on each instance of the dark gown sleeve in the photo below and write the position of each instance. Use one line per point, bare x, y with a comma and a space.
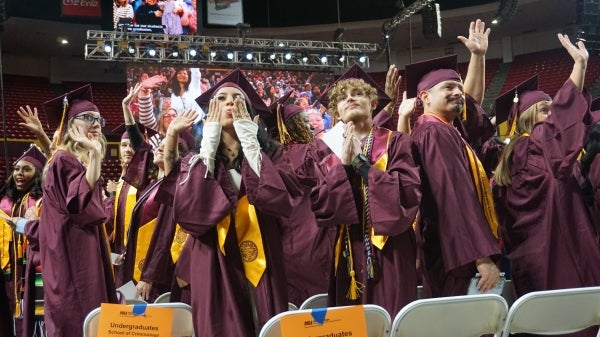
563, 133
384, 120
277, 190
137, 174
453, 197
135, 136
395, 195
84, 204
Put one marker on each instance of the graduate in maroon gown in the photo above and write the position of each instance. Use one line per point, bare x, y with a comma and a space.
307, 249
545, 224
229, 198
73, 243
457, 221
589, 170
20, 193
371, 194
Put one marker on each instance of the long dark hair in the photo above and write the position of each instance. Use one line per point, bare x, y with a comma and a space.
10, 188
591, 148
174, 84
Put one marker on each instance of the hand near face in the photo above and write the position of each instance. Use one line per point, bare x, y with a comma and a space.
183, 121
214, 111
85, 141
240, 112
151, 83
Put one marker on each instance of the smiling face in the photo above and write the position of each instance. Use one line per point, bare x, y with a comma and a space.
126, 151
445, 98
23, 175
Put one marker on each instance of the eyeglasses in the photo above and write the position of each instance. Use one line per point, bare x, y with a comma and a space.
90, 119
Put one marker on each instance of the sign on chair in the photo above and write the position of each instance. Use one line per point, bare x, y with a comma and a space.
121, 320
338, 322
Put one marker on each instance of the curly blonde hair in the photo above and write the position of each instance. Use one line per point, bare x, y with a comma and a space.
338, 92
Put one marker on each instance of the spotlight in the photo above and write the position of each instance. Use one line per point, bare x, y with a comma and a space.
175, 51
229, 55
341, 58
107, 47
213, 53
249, 56
304, 57
193, 52
272, 56
362, 58
131, 48
281, 44
323, 59
151, 50
288, 56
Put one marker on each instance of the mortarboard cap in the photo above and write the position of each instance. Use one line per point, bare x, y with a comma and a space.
238, 80
34, 156
426, 74
78, 100
283, 112
355, 71
509, 105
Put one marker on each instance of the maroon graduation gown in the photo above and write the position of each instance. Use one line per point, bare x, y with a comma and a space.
307, 248
453, 231
73, 246
220, 292
545, 225
394, 197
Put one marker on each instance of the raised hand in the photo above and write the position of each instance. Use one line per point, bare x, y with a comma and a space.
477, 42
183, 121
84, 140
30, 119
392, 84
578, 52
133, 92
152, 83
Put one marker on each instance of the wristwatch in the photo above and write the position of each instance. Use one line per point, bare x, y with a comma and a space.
359, 160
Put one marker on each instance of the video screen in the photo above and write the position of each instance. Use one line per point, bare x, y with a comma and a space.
224, 12
173, 17
180, 86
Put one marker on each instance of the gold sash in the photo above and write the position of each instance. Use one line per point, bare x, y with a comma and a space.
144, 235
129, 204
249, 239
178, 241
6, 234
484, 193
379, 240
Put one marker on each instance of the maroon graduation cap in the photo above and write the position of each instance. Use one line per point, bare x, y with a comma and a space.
34, 156
426, 74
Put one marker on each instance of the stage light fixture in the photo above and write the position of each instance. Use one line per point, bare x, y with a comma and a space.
249, 56
131, 48
341, 58
362, 58
272, 56
193, 52
107, 47
287, 56
229, 55
323, 59
175, 51
304, 57
213, 53
151, 50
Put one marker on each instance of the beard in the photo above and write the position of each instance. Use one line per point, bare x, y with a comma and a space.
458, 104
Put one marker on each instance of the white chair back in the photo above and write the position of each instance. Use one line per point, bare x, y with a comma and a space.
315, 301
458, 316
377, 319
554, 312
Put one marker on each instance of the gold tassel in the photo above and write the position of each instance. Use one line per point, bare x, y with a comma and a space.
356, 288
17, 312
284, 136
62, 119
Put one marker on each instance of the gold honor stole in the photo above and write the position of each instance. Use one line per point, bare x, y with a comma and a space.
480, 181
129, 204
178, 241
144, 235
381, 142
249, 239
6, 234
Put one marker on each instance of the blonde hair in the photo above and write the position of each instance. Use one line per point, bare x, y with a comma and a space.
525, 123
338, 92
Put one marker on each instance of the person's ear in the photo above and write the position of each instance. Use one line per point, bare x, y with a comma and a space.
424, 97
374, 103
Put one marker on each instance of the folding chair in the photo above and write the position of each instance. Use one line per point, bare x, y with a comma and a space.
315, 301
554, 312
292, 306
458, 316
163, 298
182, 320
377, 319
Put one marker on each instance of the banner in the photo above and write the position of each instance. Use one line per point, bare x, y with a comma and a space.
89, 8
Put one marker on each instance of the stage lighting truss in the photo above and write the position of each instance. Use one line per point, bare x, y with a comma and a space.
227, 52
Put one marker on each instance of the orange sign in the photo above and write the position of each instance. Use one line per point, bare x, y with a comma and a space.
335, 322
121, 320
